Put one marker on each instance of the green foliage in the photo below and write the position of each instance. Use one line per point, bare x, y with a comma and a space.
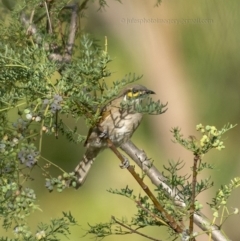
16, 204
148, 106
224, 193
58, 227
212, 138
219, 202
103, 3
182, 183
37, 94
146, 215
61, 182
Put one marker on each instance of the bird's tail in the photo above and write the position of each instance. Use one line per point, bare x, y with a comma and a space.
84, 166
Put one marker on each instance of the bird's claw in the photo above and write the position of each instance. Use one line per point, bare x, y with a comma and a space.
125, 163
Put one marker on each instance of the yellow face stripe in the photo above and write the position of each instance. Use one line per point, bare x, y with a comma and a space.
130, 94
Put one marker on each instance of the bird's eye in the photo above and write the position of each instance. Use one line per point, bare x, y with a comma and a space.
134, 91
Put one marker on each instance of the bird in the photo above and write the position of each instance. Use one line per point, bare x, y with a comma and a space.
116, 122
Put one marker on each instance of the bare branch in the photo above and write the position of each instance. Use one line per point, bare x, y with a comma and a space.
141, 159
72, 33
202, 222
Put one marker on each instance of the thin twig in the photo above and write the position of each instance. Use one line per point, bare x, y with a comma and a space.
151, 213
50, 30
31, 17
41, 130
106, 44
56, 124
133, 231
52, 163
29, 29
193, 196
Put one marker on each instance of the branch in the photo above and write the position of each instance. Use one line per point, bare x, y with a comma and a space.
33, 30
169, 219
66, 58
193, 197
72, 33
141, 159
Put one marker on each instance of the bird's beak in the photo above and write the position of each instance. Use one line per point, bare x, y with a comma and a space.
150, 92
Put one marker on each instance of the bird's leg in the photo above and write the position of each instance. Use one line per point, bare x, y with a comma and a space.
125, 163
103, 134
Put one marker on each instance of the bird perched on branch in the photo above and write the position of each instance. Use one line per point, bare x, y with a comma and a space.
119, 120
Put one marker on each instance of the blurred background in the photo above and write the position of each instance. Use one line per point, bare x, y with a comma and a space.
188, 53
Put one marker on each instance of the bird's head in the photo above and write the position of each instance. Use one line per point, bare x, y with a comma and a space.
136, 92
